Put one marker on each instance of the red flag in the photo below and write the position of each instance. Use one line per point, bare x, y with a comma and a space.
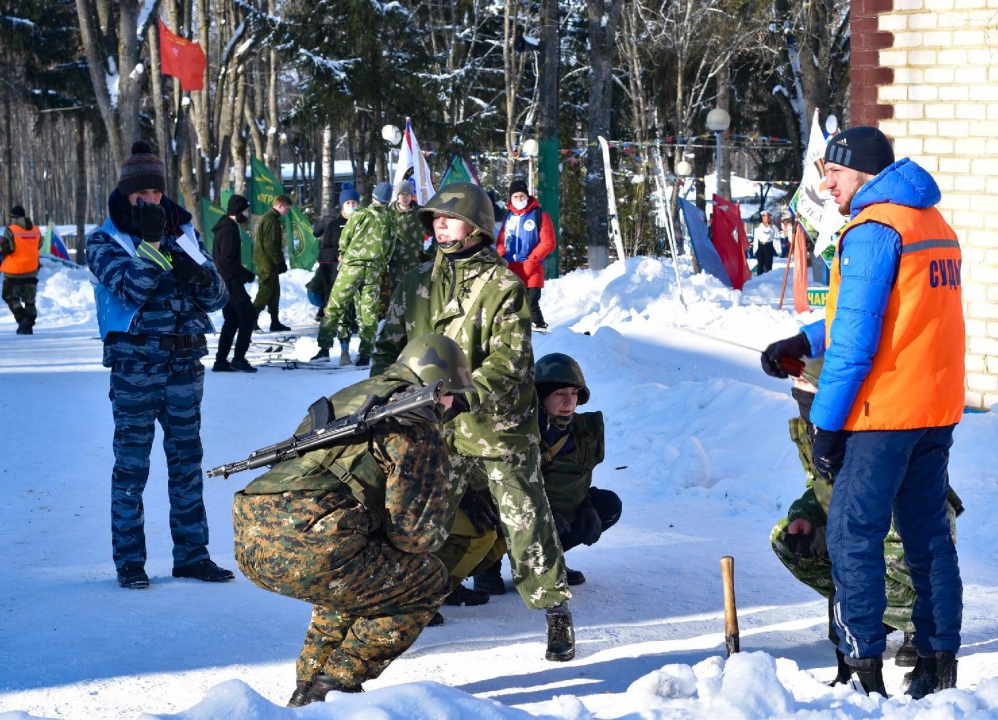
730, 240
800, 257
181, 58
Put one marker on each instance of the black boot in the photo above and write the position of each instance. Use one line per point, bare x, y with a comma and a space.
221, 366
906, 654
256, 323
133, 577
362, 361
870, 673
575, 577
24, 327
205, 571
278, 326
436, 621
461, 595
300, 696
845, 673
242, 365
931, 674
323, 685
491, 581
561, 634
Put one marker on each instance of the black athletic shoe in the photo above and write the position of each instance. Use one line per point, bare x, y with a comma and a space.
463, 596
222, 366
575, 577
436, 621
205, 571
323, 685
561, 637
278, 326
491, 581
242, 365
906, 654
300, 696
133, 577
362, 361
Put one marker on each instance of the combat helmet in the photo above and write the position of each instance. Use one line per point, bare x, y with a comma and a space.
563, 370
437, 357
463, 200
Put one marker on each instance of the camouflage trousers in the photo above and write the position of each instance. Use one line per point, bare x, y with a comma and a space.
467, 551
370, 600
142, 394
268, 295
21, 290
535, 553
360, 286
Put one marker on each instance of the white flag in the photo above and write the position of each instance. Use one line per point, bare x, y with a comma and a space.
410, 156
815, 205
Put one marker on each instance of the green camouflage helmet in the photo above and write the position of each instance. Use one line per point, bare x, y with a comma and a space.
437, 357
463, 200
563, 370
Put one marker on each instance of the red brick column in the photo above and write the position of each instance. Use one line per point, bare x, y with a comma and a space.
865, 72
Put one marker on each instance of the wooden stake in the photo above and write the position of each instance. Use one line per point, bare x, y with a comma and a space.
786, 273
730, 609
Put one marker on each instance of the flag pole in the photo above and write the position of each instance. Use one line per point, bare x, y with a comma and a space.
790, 257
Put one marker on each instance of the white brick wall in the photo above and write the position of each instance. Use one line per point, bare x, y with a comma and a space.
945, 100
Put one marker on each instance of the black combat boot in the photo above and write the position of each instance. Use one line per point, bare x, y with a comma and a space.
561, 633
25, 327
323, 685
491, 581
300, 696
222, 366
436, 621
133, 577
906, 654
205, 571
844, 673
870, 673
362, 361
931, 674
242, 365
461, 595
574, 577
278, 326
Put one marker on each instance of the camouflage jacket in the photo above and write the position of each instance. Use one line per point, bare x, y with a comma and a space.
407, 237
268, 250
569, 474
366, 239
493, 329
397, 472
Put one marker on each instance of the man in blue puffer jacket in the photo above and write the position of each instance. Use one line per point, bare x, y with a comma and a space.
155, 284
891, 392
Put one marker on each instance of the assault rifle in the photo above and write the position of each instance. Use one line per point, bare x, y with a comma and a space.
331, 431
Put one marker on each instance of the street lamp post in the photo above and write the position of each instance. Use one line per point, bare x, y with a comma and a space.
717, 122
393, 136
530, 149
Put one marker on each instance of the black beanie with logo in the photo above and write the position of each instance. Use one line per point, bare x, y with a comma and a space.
863, 148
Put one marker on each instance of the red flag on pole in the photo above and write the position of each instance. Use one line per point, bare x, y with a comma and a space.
730, 240
181, 58
801, 304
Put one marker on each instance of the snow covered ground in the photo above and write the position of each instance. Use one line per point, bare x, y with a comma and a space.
697, 448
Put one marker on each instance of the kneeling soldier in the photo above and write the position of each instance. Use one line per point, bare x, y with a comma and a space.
349, 528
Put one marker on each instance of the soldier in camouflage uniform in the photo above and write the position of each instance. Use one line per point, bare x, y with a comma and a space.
268, 257
349, 528
155, 285
407, 241
799, 539
468, 294
365, 246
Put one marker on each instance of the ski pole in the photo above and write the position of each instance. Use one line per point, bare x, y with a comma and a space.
791, 366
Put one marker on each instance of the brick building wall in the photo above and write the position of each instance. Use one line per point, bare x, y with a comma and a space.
926, 73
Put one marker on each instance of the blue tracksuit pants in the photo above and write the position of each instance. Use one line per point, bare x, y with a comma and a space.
904, 473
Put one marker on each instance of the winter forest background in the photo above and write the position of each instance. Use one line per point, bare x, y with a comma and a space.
307, 82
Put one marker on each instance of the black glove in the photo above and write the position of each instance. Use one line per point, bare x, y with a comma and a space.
149, 219
561, 524
589, 523
282, 267
828, 450
247, 275
785, 355
479, 509
808, 545
187, 271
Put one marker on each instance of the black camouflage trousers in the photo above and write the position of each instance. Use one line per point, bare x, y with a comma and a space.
19, 294
142, 394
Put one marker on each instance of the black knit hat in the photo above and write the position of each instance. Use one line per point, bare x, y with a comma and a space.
863, 148
518, 185
142, 171
17, 211
237, 203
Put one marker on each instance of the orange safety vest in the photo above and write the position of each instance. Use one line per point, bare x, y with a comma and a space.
917, 377
24, 259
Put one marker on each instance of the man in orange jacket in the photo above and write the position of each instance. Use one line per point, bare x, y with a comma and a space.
526, 238
19, 254
891, 392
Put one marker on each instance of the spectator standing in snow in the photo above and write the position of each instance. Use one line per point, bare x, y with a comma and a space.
268, 256
19, 250
525, 239
786, 232
328, 231
765, 243
239, 314
155, 286
891, 392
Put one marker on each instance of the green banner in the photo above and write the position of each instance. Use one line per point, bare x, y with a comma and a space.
303, 248
223, 198
264, 187
210, 215
46, 247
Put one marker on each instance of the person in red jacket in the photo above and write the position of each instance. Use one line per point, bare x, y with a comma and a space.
526, 238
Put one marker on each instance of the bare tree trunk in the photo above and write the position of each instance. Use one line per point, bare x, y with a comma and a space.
511, 84
159, 108
724, 102
81, 188
8, 157
328, 169
273, 158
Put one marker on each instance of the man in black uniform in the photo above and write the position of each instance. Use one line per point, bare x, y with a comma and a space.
238, 314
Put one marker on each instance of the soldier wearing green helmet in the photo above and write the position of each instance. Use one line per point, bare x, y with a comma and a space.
572, 446
468, 294
350, 528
